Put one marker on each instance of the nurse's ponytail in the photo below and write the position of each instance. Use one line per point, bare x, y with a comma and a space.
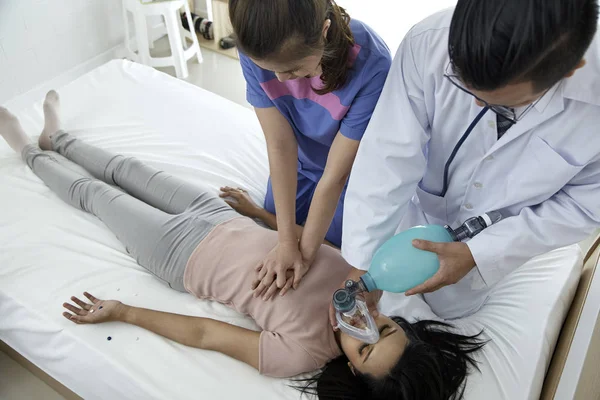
289, 30
336, 61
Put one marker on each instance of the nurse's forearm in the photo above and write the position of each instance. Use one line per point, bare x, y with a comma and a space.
284, 180
282, 149
322, 210
327, 194
271, 221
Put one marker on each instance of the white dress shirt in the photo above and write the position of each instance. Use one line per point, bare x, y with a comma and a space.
543, 174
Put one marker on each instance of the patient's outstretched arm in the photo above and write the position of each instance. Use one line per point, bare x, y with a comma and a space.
203, 333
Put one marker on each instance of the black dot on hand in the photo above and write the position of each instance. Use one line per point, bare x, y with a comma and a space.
109, 338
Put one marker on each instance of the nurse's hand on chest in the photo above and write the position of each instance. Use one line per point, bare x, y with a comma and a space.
456, 261
281, 270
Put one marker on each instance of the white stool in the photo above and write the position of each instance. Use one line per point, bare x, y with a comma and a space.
169, 10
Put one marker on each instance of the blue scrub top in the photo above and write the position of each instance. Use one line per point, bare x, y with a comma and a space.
316, 119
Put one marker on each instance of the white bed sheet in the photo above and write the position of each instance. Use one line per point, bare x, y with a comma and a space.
50, 251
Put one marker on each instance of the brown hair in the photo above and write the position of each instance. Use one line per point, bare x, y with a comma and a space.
293, 29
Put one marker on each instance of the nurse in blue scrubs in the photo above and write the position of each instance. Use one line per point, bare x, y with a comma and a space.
314, 77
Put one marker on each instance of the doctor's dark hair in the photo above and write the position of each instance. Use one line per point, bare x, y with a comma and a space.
289, 30
433, 366
495, 43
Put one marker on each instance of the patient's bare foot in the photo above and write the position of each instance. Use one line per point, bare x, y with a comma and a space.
51, 119
12, 131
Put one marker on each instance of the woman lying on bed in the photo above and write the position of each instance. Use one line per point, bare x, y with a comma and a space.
188, 237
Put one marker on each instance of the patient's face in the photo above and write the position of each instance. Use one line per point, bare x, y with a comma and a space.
379, 358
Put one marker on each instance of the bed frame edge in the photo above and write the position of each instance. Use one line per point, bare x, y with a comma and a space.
567, 334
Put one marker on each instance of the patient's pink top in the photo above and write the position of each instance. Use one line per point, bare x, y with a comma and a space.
297, 336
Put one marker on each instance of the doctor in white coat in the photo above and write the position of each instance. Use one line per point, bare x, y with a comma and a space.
492, 106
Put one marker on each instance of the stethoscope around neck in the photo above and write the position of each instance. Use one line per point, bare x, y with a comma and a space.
457, 148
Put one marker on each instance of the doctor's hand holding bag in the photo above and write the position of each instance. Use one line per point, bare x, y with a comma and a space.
494, 105
314, 77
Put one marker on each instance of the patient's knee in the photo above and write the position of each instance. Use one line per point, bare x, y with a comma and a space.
86, 192
122, 166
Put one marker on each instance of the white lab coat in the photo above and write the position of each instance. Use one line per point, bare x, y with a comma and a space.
544, 173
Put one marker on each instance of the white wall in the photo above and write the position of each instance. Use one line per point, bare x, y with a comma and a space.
41, 39
199, 7
392, 19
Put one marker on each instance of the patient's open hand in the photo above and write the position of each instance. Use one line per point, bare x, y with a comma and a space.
97, 312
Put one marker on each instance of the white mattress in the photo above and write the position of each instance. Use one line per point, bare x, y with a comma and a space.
49, 251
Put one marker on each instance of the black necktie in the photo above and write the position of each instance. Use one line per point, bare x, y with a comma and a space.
503, 124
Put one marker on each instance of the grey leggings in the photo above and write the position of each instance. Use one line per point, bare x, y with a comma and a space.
160, 219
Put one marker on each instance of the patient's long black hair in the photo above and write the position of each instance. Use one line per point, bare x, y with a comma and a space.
434, 366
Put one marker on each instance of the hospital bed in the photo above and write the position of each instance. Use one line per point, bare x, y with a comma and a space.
540, 319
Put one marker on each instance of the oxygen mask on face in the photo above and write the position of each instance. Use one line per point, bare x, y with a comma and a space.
352, 314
